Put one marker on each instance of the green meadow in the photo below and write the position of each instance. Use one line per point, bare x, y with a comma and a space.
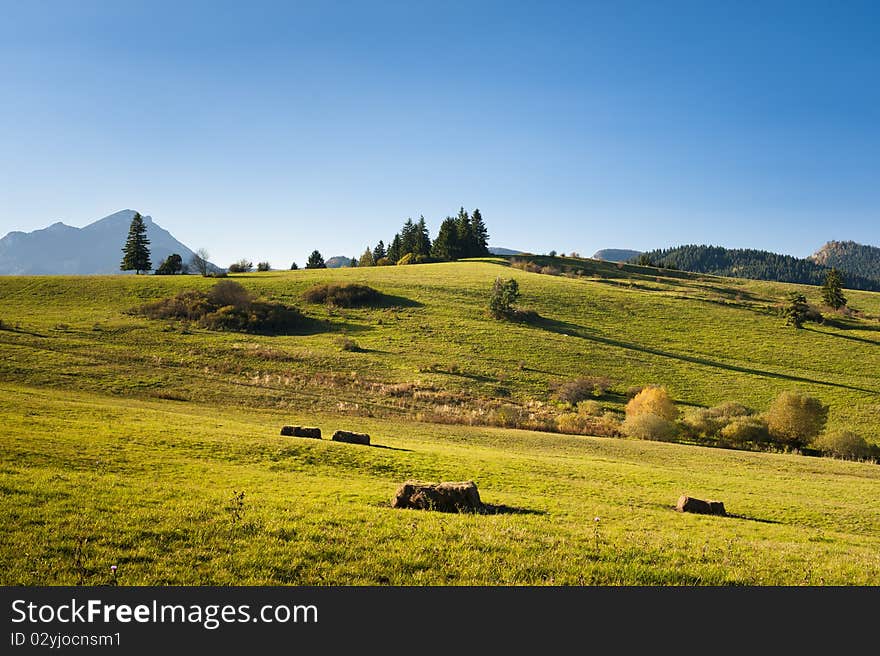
127, 441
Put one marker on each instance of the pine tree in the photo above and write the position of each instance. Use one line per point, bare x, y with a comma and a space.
316, 261
367, 259
795, 312
395, 251
407, 238
379, 251
353, 262
446, 246
481, 234
466, 239
136, 254
832, 290
421, 239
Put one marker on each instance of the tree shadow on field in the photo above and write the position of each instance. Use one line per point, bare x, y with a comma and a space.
852, 338
753, 519
573, 330
390, 448
501, 509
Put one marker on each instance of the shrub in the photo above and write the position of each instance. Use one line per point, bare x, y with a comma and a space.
550, 270
579, 389
384, 261
263, 266
343, 295
348, 344
171, 265
648, 426
709, 422
745, 430
227, 306
653, 400
504, 294
242, 266
589, 408
794, 419
409, 258
577, 423
229, 292
843, 444
525, 265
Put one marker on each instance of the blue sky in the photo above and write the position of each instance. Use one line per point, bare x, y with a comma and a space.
265, 130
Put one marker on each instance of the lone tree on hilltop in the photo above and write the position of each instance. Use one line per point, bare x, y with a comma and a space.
136, 252
795, 312
832, 290
316, 261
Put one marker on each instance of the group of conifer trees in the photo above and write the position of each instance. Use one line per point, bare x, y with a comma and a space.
464, 235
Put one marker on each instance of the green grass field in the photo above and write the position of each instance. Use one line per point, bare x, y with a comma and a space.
124, 439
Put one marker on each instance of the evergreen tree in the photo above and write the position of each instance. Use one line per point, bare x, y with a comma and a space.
446, 246
379, 251
316, 261
832, 290
294, 266
353, 262
421, 239
795, 312
395, 251
481, 234
136, 254
367, 259
407, 238
466, 240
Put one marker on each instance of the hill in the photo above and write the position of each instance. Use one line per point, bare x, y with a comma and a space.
751, 263
93, 249
338, 262
615, 254
497, 250
851, 258
150, 428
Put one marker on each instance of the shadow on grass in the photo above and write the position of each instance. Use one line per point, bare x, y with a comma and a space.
573, 330
501, 509
851, 338
390, 448
753, 519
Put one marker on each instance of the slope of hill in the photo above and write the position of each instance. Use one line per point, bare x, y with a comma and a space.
93, 249
751, 263
851, 258
147, 428
615, 254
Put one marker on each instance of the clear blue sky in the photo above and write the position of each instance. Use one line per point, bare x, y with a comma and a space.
265, 130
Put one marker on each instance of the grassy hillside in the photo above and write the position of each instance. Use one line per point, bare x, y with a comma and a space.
124, 438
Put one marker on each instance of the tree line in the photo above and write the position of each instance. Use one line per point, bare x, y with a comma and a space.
461, 236
747, 263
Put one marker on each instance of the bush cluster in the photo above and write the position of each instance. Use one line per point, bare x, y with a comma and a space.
227, 306
343, 295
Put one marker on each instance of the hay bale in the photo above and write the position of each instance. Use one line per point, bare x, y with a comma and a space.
301, 431
445, 497
692, 505
351, 438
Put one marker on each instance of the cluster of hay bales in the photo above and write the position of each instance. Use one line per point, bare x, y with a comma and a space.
446, 497
315, 433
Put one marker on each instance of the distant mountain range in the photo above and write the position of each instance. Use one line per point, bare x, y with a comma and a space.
859, 264
496, 250
615, 254
93, 249
338, 262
